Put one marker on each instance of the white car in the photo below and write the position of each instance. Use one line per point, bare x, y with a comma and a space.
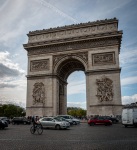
51, 122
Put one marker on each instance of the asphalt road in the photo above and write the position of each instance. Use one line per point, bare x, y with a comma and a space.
78, 137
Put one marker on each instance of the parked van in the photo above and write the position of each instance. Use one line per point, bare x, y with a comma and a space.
129, 115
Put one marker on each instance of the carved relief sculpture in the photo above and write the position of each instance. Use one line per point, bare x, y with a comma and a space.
75, 46
55, 53
103, 59
105, 89
38, 93
39, 65
83, 56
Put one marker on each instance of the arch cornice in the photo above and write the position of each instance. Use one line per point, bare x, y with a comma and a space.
101, 40
59, 59
74, 45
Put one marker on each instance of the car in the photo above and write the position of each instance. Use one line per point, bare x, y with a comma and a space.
71, 119
61, 118
99, 120
3, 124
113, 119
53, 122
20, 120
65, 119
75, 120
6, 119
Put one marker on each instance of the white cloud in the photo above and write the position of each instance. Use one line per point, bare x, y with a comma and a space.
125, 56
11, 10
15, 102
76, 87
56, 10
129, 99
129, 80
7, 67
77, 104
16, 95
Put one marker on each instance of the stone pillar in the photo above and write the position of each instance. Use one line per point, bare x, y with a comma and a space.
103, 82
41, 96
101, 100
62, 99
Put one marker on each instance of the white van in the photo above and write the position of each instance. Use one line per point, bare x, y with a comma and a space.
129, 115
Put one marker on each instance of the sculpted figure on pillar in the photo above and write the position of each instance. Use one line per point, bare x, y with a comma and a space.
38, 93
105, 89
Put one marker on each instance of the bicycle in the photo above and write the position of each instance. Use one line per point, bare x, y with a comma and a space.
37, 128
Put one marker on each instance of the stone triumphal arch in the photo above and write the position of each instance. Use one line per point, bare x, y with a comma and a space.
53, 54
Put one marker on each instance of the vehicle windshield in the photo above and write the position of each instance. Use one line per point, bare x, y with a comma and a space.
3, 117
71, 117
59, 119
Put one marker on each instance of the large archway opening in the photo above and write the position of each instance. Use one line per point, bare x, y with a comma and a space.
68, 69
76, 90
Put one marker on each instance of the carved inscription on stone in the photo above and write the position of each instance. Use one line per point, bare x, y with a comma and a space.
105, 89
39, 65
38, 93
103, 58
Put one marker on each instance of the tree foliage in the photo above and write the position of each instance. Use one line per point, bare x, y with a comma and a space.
10, 110
75, 111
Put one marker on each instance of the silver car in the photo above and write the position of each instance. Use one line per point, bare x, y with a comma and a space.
71, 119
67, 118
51, 122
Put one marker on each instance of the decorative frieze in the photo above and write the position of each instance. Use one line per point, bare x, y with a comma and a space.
73, 46
39, 65
87, 30
38, 93
83, 56
104, 89
103, 58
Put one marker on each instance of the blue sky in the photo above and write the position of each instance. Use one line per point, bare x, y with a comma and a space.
18, 17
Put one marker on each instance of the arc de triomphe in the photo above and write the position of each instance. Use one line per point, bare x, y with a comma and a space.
53, 54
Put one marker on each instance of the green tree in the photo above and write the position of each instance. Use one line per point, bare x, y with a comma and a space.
75, 111
11, 110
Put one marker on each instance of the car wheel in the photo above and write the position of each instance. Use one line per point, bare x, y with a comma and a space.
24, 123
92, 124
114, 121
57, 127
106, 124
125, 126
74, 122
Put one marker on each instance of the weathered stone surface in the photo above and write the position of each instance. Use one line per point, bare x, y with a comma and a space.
53, 54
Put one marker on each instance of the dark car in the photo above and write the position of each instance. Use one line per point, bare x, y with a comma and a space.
20, 120
99, 120
5, 119
3, 124
113, 119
